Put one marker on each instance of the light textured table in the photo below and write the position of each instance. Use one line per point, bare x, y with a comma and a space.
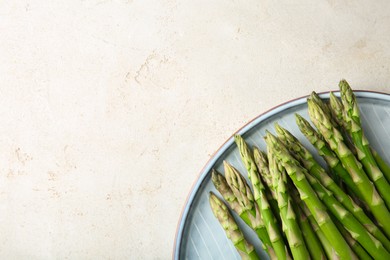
109, 109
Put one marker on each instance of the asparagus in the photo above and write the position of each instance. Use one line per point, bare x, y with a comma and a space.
316, 241
304, 156
318, 141
259, 191
309, 233
221, 212
373, 246
261, 162
308, 195
252, 213
244, 206
352, 165
385, 168
311, 241
357, 230
337, 110
354, 127
290, 223
337, 114
356, 247
316, 98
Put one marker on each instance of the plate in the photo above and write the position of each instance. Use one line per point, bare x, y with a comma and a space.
199, 234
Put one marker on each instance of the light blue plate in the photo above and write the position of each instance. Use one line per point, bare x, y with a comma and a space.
199, 234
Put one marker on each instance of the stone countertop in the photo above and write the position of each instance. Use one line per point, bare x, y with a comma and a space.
110, 109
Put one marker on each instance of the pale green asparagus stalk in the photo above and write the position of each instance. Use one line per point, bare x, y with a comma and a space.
356, 229
309, 196
385, 168
221, 212
244, 206
310, 233
307, 160
260, 197
311, 240
326, 245
243, 193
373, 246
356, 247
290, 222
262, 165
354, 127
352, 165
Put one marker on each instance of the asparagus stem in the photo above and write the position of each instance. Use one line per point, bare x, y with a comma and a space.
260, 196
290, 223
352, 118
305, 157
385, 168
352, 165
356, 247
373, 246
309, 233
329, 251
233, 232
261, 161
308, 195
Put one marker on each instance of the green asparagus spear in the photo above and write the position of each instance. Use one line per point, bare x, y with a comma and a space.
304, 156
221, 212
329, 250
357, 230
356, 247
243, 205
261, 199
373, 246
290, 223
352, 165
316, 98
308, 195
337, 110
318, 141
310, 233
337, 114
385, 168
262, 165
251, 212
352, 119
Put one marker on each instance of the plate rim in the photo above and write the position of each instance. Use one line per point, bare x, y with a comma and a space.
199, 179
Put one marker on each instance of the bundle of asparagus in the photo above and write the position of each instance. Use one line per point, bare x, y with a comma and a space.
301, 210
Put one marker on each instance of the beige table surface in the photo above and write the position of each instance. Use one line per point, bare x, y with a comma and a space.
109, 109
